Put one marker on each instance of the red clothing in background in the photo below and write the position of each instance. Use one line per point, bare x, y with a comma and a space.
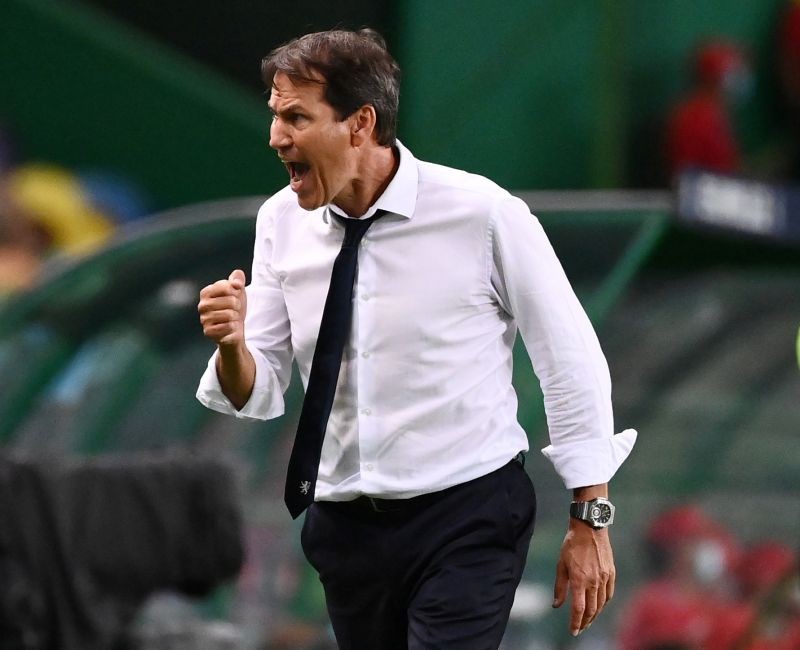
700, 134
667, 613
789, 54
789, 33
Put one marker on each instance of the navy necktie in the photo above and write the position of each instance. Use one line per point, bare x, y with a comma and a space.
334, 330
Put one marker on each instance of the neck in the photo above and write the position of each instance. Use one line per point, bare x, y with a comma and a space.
376, 168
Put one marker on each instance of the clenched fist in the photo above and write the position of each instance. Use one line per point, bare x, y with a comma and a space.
222, 308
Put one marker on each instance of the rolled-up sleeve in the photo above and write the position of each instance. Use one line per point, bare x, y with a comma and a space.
563, 347
267, 335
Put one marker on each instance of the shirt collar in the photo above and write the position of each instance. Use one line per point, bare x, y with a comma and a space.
400, 196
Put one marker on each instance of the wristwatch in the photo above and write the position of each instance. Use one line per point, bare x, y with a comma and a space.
598, 513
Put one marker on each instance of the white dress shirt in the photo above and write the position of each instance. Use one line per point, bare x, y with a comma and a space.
424, 399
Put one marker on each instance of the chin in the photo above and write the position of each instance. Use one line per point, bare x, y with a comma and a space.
309, 204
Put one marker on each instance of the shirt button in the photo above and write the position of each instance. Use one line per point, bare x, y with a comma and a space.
365, 355
364, 297
370, 467
366, 411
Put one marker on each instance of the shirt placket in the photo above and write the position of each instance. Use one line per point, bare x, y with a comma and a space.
364, 303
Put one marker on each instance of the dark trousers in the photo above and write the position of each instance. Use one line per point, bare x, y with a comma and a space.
439, 572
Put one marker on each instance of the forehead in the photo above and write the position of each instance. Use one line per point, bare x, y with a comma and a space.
286, 89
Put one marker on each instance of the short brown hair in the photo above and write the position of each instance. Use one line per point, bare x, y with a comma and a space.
357, 68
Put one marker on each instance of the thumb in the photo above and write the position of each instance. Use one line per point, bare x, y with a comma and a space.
562, 582
237, 278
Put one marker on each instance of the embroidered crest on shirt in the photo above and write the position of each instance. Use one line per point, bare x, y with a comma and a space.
305, 486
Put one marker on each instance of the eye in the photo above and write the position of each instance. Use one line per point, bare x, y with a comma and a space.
290, 117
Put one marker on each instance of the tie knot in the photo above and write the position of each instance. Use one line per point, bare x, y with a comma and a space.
355, 229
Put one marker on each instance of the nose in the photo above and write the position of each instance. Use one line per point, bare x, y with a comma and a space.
278, 136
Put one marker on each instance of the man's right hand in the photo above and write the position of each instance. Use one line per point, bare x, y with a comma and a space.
222, 307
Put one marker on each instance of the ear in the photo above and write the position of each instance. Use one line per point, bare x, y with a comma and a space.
362, 125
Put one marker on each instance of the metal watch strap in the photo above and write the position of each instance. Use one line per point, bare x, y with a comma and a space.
580, 509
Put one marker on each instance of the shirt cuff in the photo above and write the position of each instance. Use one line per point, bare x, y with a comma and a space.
592, 462
266, 400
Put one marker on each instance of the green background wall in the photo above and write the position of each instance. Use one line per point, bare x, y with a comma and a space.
512, 89
548, 94
534, 93
82, 90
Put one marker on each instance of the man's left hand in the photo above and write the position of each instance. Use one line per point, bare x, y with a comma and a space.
586, 568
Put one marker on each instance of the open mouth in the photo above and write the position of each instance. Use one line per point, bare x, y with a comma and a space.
297, 171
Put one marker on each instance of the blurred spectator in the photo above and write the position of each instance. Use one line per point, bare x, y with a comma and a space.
707, 593
685, 542
22, 243
47, 210
667, 614
700, 130
690, 601
770, 585
55, 200
763, 567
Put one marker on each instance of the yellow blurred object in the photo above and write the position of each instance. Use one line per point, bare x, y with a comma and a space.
52, 197
798, 346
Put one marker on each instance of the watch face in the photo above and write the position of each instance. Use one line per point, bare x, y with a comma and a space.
601, 513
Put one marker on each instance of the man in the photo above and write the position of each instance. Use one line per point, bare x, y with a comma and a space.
421, 516
700, 130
